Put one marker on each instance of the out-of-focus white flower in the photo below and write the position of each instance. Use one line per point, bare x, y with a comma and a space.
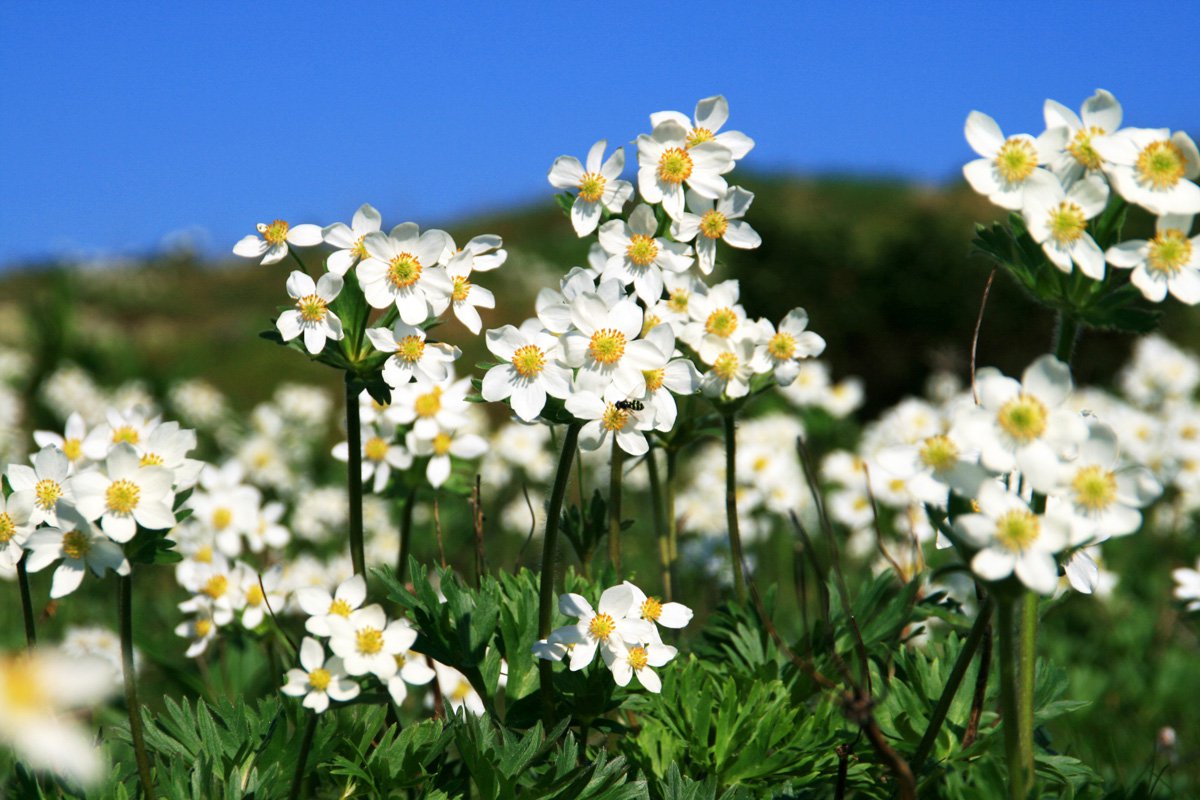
273, 240
70, 441
99, 643
320, 680
1187, 586
457, 691
380, 454
440, 447
412, 668
598, 185
131, 426
197, 402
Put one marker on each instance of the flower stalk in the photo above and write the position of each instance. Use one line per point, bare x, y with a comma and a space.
354, 475
731, 512
26, 605
660, 526
125, 614
614, 507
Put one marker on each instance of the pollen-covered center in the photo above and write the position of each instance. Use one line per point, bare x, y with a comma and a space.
613, 418
8, 528
410, 348
1161, 164
375, 448
654, 378
601, 627
202, 628
222, 517
638, 658
1081, 147
46, 493
127, 434
607, 345
651, 609
462, 288
677, 301
339, 608
461, 691
674, 165
1023, 418
428, 404
1095, 488
591, 186
441, 444
725, 366
312, 308
254, 595
642, 249
1170, 250
939, 453
76, 544
359, 250
722, 322
699, 136
216, 586
1017, 529
1016, 160
1067, 222
529, 361
782, 346
650, 322
275, 233
151, 460
72, 449
369, 641
319, 679
121, 497
714, 224
404, 270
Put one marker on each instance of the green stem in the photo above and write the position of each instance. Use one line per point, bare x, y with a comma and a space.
549, 542
660, 526
310, 730
614, 507
354, 476
1066, 335
672, 519
952, 683
1018, 765
1027, 670
125, 613
406, 521
731, 513
26, 605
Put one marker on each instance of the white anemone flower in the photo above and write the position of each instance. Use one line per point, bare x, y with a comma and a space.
349, 241
16, 524
532, 370
273, 240
167, 447
636, 256
666, 161
411, 669
412, 356
711, 115
554, 307
678, 376
463, 296
1007, 163
604, 344
717, 320
626, 662
1170, 262
46, 482
651, 609
486, 251
1187, 586
1058, 220
934, 466
1101, 116
311, 316
708, 220
199, 631
1153, 168
440, 447
786, 347
217, 588
732, 369
607, 627
431, 407
628, 425
1012, 539
598, 185
321, 606
124, 495
70, 441
131, 426
380, 454
79, 545
257, 603
402, 270
457, 691
367, 642
320, 680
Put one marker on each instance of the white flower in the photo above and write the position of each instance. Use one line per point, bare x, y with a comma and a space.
625, 662
167, 447
272, 243
16, 511
607, 628
457, 691
1187, 586
70, 441
412, 357
1057, 221
402, 270
711, 220
46, 482
440, 447
934, 466
125, 494
132, 426
1168, 262
711, 115
599, 185
486, 251
636, 256
1153, 168
669, 615
412, 668
628, 425
604, 343
380, 454
1007, 164
320, 680
432, 407
367, 642
217, 588
717, 320
1012, 539
256, 603
532, 372
322, 606
226, 506
733, 368
349, 240
791, 343
666, 161
678, 376
79, 545
463, 296
199, 630
311, 316
1101, 117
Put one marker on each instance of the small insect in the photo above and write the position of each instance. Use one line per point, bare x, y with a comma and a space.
629, 405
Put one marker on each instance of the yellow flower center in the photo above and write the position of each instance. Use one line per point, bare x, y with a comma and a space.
339, 608
782, 346
722, 322
202, 628
254, 596
1016, 160
1161, 164
401, 660
651, 609
72, 449
1095, 488
216, 586
939, 453
1067, 222
461, 692
1169, 251
613, 418
151, 460
428, 404
441, 444
462, 288
642, 249
674, 165
359, 250
21, 688
1017, 529
1081, 147
677, 301
1023, 418
369, 641
275, 233
410, 348
76, 545
649, 322
713, 224
319, 679
529, 361
46, 493
699, 136
404, 270
312, 308
375, 449
591, 186
127, 434
607, 345
601, 627
654, 378
121, 497
222, 517
638, 658
8, 528
725, 366
204, 554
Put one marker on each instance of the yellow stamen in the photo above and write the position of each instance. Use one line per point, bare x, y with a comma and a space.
404, 270
642, 249
591, 186
607, 345
1024, 418
1161, 164
76, 545
319, 679
1081, 147
441, 444
529, 361
410, 349
601, 627
1170, 250
651, 609
1067, 222
375, 449
725, 366
1016, 160
1095, 488
722, 322
713, 224
674, 166
369, 641
121, 497
1017, 530
312, 308
46, 493
275, 233
638, 658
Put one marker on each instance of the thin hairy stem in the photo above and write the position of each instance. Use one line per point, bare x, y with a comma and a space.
125, 613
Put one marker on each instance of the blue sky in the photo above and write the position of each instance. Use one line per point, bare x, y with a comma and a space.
125, 125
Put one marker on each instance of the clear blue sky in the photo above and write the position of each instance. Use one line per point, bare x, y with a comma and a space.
126, 124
